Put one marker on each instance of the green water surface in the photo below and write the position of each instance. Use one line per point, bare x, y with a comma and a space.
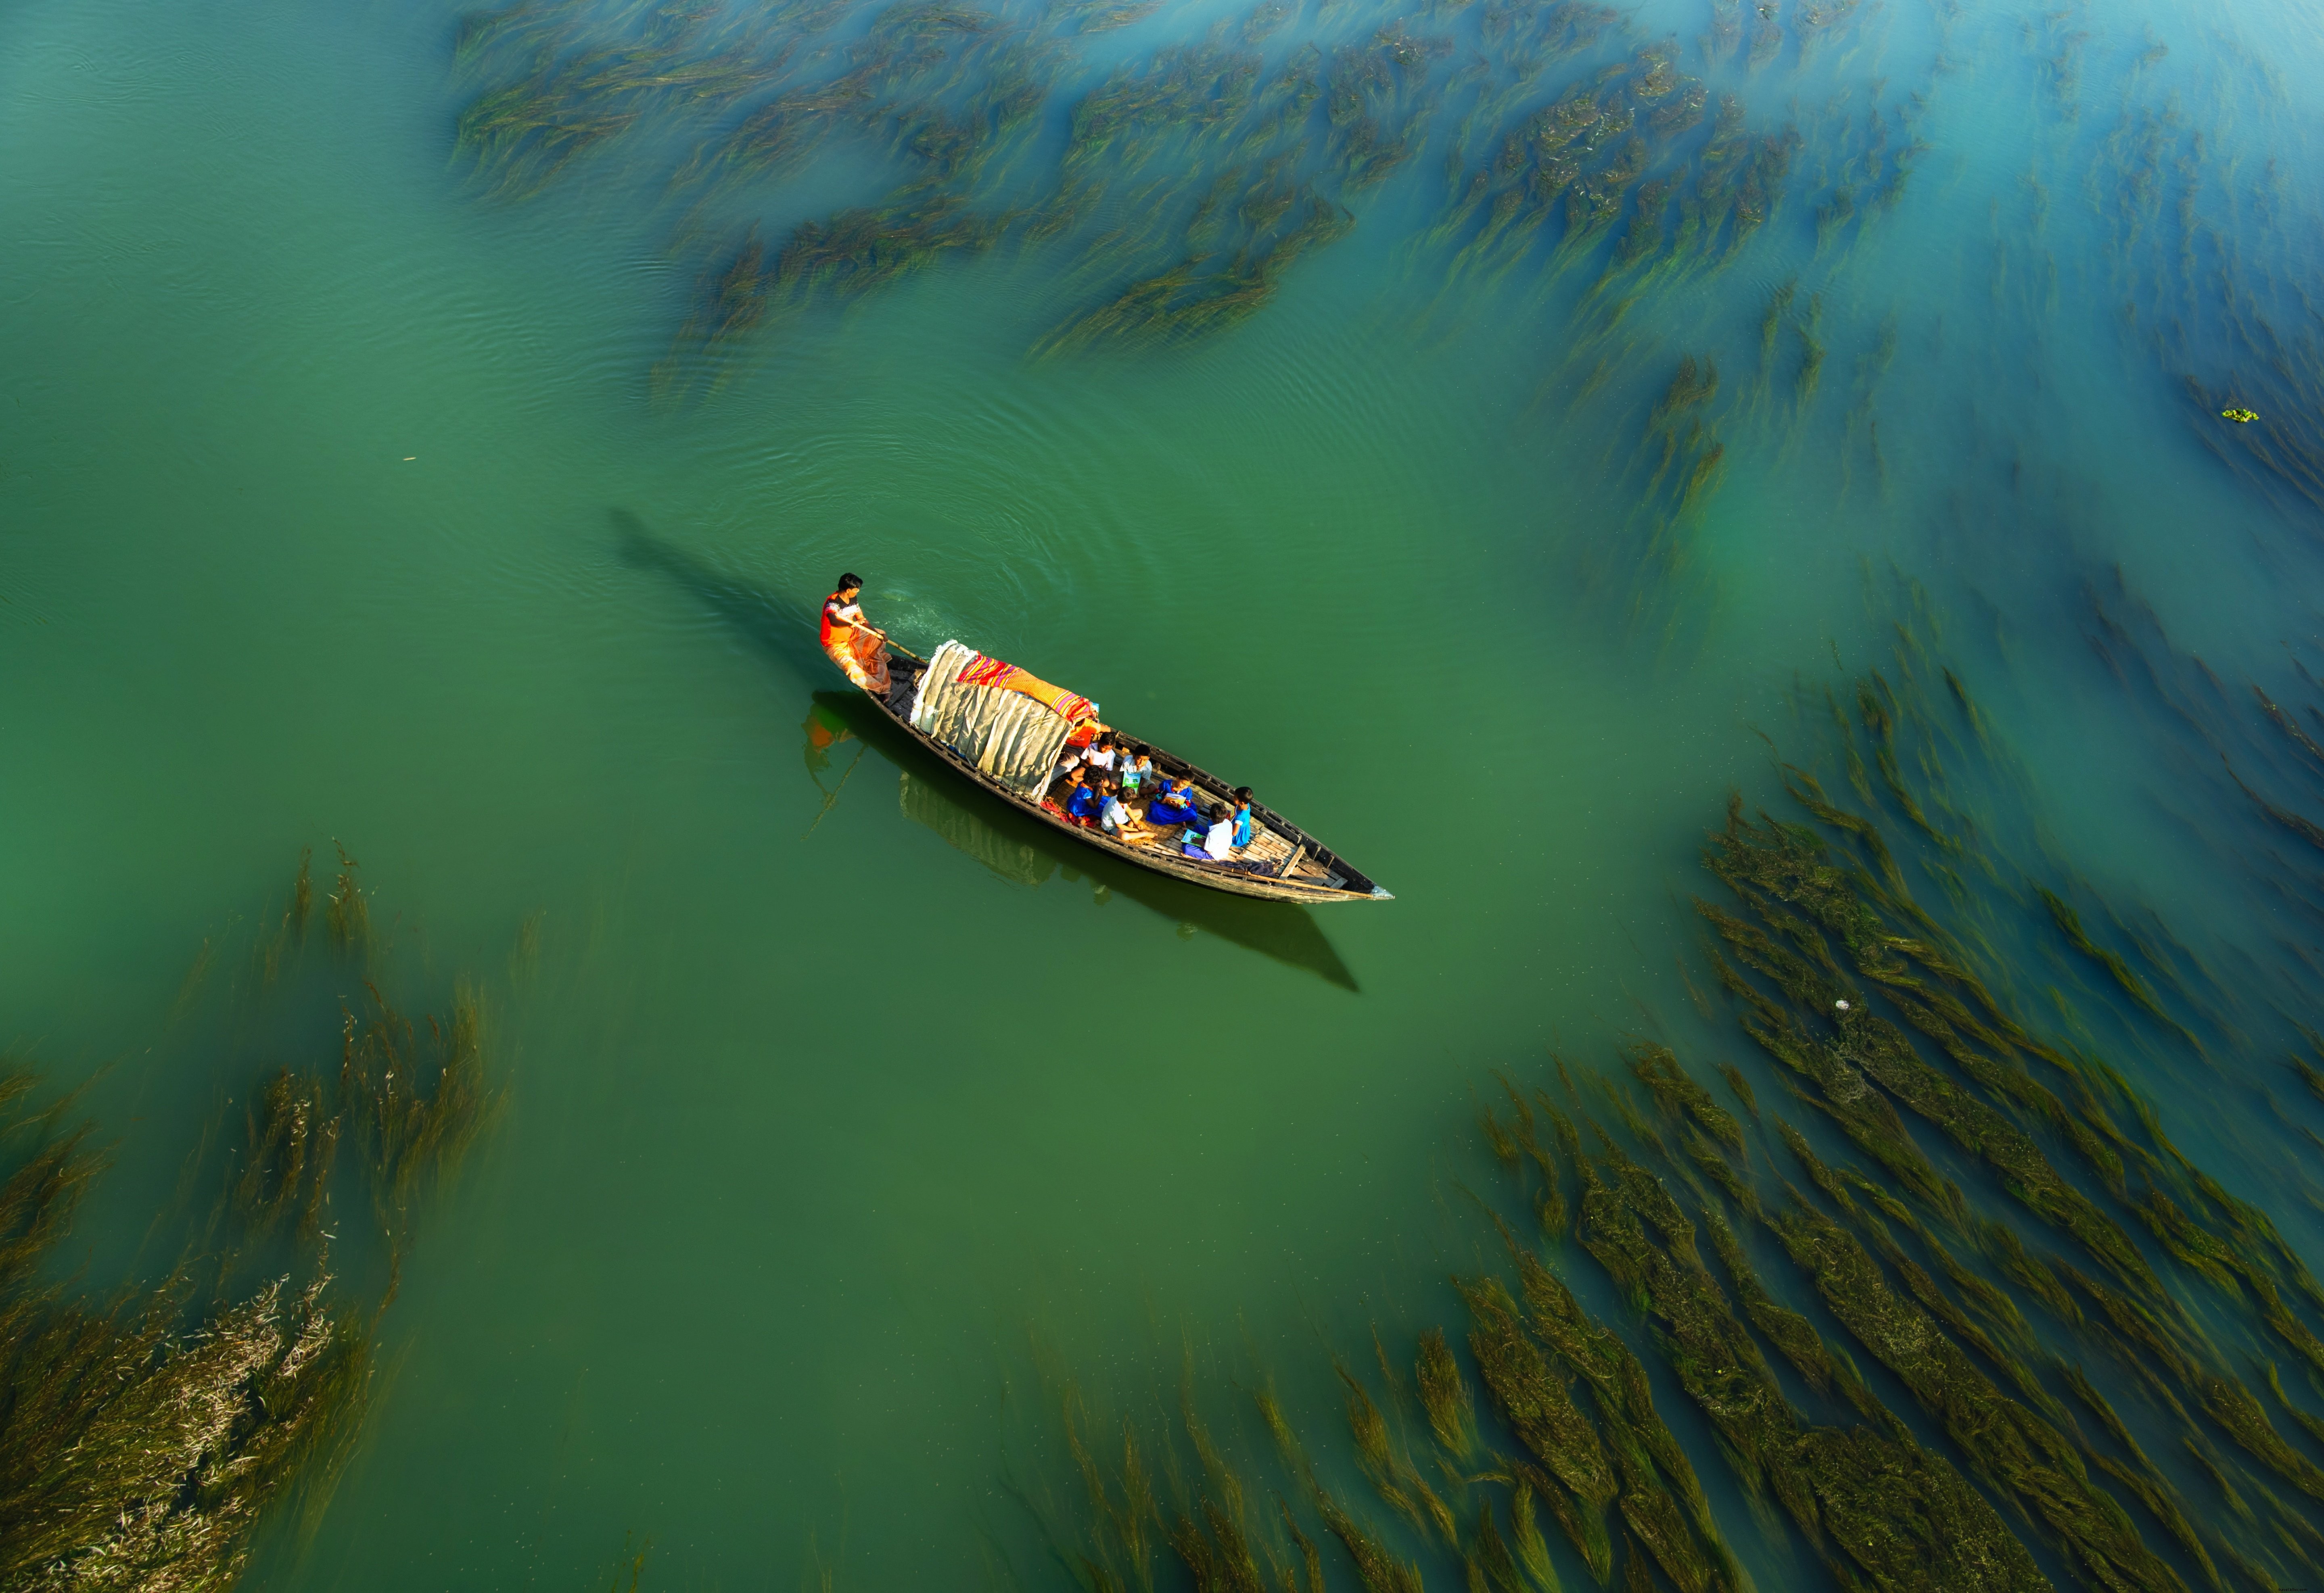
337, 502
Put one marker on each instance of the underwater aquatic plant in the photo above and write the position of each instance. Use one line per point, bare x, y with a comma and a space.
1399, 1483
293, 1140
1537, 1403
348, 914
956, 96
145, 1436
1445, 1396
1188, 300
142, 1451
1863, 1004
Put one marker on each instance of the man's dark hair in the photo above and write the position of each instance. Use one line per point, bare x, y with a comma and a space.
850, 579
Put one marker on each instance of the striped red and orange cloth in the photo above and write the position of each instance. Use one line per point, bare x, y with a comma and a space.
1002, 676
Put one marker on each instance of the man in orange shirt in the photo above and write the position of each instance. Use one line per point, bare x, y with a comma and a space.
850, 640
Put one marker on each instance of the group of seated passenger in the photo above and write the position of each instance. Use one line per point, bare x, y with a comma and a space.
1102, 755
1095, 786
1094, 801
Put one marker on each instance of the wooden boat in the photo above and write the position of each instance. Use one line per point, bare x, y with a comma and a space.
1001, 836
1282, 864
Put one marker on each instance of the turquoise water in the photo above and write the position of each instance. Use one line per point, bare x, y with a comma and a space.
345, 496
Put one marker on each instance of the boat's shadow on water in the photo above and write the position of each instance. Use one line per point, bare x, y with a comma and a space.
782, 628
1012, 845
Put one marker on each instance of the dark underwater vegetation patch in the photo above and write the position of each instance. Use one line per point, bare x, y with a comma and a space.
150, 1434
1987, 1213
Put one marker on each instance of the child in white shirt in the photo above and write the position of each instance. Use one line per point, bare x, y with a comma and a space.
1119, 822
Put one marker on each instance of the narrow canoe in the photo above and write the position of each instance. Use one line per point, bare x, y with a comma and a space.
1294, 867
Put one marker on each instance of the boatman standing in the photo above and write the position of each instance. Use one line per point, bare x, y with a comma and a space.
850, 640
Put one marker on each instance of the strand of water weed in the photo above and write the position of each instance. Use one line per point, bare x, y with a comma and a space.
147, 1433
1957, 1460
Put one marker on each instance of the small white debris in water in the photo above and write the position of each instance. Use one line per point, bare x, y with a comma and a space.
407, 458
1840, 1006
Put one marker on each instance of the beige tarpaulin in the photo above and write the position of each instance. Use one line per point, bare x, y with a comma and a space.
1005, 733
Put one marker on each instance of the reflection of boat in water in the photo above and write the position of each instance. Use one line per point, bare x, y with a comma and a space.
1014, 858
1013, 846
1002, 729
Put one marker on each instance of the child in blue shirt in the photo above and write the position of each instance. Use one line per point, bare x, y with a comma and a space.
1083, 805
1173, 806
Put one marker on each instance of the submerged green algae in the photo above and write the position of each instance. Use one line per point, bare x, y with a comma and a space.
1946, 1264
146, 1435
1191, 179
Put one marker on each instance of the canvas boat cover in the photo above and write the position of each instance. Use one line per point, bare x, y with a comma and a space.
1007, 723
